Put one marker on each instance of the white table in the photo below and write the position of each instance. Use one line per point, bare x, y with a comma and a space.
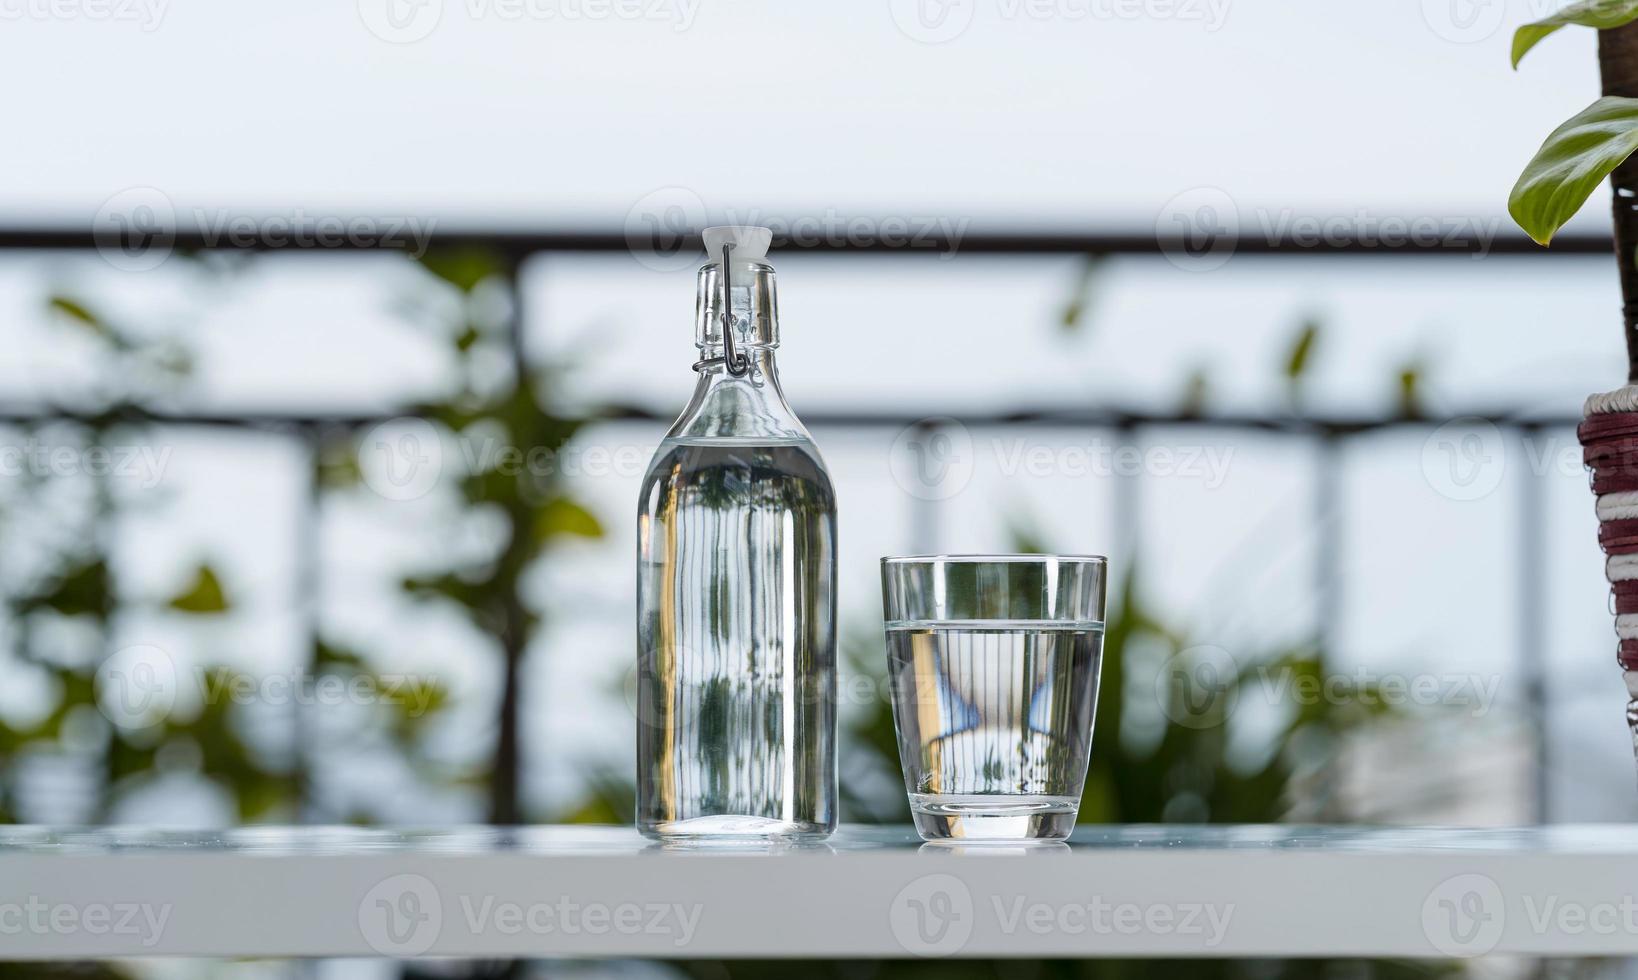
868, 892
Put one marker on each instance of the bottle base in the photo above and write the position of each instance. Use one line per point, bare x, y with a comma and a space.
978, 817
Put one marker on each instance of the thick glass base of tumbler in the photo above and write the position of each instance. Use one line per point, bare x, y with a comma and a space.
732, 828
991, 816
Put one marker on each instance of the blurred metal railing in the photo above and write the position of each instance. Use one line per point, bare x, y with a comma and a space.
1327, 433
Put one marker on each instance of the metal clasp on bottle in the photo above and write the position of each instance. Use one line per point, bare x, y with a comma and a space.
734, 359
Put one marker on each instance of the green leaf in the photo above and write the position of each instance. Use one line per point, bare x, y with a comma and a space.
1301, 348
82, 590
1410, 390
204, 595
1195, 391
463, 267
1571, 163
564, 516
446, 585
74, 309
81, 315
328, 658
1601, 14
336, 466
1074, 313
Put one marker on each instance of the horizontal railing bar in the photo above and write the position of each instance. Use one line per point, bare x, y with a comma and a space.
519, 244
1122, 419
856, 419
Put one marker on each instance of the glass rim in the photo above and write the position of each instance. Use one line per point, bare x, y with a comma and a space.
993, 559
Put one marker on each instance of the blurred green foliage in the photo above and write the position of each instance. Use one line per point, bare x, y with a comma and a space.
65, 611
64, 603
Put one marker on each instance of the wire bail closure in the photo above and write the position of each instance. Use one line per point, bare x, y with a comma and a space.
735, 360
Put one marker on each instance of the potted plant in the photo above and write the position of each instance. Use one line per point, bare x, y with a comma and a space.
1595, 143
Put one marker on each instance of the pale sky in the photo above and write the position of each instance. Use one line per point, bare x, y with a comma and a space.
1086, 113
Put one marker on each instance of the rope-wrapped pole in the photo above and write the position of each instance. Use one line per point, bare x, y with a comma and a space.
1609, 440
1609, 434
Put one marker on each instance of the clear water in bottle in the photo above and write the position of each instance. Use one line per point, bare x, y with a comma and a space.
736, 578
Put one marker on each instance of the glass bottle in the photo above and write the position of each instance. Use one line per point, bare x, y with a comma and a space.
736, 585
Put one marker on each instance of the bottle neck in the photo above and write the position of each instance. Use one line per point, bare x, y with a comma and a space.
752, 299
751, 406
762, 374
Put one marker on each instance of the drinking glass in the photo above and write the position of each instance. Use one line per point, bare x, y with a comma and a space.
993, 661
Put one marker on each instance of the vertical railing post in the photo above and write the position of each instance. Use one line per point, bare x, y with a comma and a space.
924, 523
1327, 517
505, 804
1528, 581
1128, 511
309, 595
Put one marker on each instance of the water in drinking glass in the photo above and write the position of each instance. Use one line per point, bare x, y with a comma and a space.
995, 683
